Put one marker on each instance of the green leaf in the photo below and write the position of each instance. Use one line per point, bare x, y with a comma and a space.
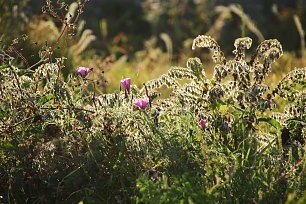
271, 121
3, 67
302, 122
26, 85
223, 108
45, 99
3, 113
25, 72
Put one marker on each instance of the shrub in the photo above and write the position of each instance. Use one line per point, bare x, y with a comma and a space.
61, 143
224, 139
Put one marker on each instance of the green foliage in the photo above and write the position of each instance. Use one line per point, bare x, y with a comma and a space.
57, 134
235, 103
182, 190
61, 142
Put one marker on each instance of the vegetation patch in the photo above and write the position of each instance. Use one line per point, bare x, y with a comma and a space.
229, 138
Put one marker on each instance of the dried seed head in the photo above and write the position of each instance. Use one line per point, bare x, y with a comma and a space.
204, 41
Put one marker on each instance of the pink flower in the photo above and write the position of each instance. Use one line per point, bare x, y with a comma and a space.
84, 71
126, 84
202, 123
141, 103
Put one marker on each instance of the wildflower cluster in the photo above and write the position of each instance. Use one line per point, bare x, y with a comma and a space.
235, 95
204, 141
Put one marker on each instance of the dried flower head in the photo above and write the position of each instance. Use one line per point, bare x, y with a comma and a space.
210, 43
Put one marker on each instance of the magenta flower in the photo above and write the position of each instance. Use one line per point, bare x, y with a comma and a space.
141, 103
84, 71
202, 123
126, 84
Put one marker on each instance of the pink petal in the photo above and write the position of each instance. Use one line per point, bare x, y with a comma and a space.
84, 71
141, 103
126, 84
202, 123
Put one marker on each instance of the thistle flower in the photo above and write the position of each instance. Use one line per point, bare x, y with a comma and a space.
126, 83
141, 103
202, 123
84, 71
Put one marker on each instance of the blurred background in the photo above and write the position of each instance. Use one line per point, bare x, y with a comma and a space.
142, 39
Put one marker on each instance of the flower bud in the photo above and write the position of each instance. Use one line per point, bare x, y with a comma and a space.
126, 83
202, 123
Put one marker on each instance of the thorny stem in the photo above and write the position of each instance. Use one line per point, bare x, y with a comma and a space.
16, 78
19, 86
147, 94
94, 101
21, 56
57, 41
294, 167
268, 145
67, 108
290, 170
37, 63
19, 123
